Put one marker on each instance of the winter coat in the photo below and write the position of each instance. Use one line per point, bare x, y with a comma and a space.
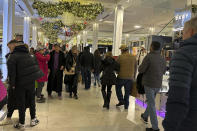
3, 91
43, 64
128, 66
22, 68
87, 60
97, 64
153, 68
69, 63
181, 105
53, 72
109, 67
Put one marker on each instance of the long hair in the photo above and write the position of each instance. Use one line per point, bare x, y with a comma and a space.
97, 53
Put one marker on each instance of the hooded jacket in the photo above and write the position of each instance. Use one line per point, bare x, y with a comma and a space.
23, 69
43, 64
181, 105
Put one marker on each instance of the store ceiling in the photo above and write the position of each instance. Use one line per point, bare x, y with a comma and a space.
146, 13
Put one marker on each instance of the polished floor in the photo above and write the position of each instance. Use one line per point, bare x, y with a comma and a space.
85, 114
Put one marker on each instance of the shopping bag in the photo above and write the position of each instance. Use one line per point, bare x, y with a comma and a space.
134, 91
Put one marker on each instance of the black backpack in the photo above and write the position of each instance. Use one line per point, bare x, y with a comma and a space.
140, 87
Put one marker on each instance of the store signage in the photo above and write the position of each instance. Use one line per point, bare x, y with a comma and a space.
180, 18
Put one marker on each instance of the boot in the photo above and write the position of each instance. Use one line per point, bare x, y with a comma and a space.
108, 99
104, 98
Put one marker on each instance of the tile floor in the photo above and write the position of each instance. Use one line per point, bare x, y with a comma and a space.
85, 114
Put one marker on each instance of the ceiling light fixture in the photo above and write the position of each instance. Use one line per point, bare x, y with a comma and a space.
137, 26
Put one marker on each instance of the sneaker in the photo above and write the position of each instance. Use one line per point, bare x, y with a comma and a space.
20, 126
119, 104
34, 122
145, 120
151, 129
76, 97
40, 100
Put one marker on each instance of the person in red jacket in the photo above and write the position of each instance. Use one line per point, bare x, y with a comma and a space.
43, 64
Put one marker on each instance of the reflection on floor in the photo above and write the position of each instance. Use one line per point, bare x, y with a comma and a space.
85, 114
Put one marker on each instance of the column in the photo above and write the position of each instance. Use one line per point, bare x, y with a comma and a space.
8, 30
78, 41
118, 26
26, 31
34, 37
95, 37
84, 38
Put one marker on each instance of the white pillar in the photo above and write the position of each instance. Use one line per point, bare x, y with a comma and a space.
78, 41
26, 31
8, 30
84, 37
118, 26
95, 37
34, 37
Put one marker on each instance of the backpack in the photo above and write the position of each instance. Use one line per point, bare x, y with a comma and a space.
140, 87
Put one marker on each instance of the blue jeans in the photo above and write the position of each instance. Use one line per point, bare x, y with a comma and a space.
127, 86
87, 78
97, 79
151, 109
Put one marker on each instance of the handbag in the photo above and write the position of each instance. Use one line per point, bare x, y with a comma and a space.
72, 70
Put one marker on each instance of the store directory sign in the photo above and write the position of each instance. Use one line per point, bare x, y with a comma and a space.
180, 18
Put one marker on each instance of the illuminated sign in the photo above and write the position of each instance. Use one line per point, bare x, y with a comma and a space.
180, 18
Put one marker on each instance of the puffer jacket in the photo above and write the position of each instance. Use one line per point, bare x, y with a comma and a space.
22, 68
43, 64
109, 66
181, 105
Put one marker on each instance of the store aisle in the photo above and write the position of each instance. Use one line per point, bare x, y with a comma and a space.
85, 114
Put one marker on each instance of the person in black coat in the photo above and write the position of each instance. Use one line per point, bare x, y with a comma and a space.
71, 71
109, 67
87, 63
97, 64
23, 70
56, 66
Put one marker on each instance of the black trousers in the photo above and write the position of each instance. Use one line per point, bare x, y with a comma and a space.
72, 84
24, 97
11, 104
106, 86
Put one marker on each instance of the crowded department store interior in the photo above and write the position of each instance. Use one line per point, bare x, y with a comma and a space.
98, 65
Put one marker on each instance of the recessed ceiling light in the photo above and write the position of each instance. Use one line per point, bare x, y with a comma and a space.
137, 26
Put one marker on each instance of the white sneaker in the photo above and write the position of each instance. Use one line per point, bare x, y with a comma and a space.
20, 126
6, 122
3, 114
34, 122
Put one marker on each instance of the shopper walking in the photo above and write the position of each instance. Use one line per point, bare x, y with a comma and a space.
108, 67
126, 76
181, 105
56, 66
153, 67
72, 72
11, 101
43, 64
22, 72
97, 65
87, 63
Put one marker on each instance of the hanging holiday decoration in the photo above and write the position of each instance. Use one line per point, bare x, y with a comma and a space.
85, 11
52, 29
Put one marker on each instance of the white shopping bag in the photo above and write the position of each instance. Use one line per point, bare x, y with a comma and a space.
3, 113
